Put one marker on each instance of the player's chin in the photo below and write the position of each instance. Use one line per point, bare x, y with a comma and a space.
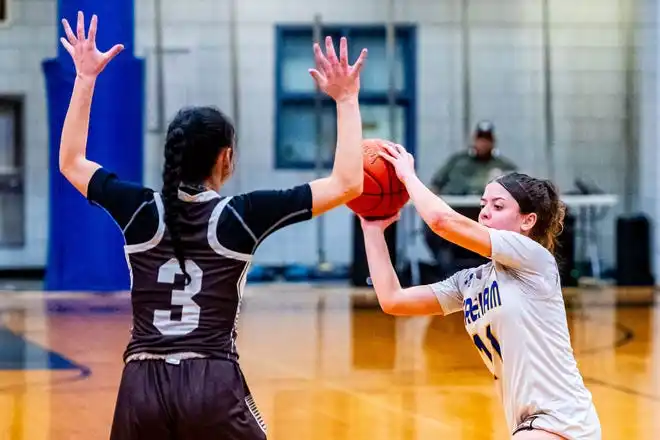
490, 224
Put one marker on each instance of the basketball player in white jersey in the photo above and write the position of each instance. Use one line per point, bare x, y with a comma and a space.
512, 306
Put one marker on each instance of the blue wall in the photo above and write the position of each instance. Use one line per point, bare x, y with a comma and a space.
85, 245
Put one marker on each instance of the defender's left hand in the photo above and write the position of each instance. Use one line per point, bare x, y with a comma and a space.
89, 61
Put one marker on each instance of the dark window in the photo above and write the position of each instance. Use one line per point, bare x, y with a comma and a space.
12, 199
296, 113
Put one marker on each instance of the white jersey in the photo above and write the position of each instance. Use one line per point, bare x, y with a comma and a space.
514, 312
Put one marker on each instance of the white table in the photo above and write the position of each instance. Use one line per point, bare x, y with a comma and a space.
585, 206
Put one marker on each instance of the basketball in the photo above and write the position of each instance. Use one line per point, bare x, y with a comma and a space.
383, 194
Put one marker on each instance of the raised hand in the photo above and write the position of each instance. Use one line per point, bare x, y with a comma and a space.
334, 76
402, 161
89, 61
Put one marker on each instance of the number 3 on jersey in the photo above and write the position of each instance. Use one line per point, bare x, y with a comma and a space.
189, 309
489, 352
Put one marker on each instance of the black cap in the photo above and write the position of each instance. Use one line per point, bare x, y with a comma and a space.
485, 129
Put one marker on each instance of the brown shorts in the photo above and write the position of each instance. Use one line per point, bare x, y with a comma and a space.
193, 399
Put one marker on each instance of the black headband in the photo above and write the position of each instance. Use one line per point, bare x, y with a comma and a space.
511, 184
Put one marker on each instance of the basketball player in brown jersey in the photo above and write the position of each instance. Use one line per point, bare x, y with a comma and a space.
189, 250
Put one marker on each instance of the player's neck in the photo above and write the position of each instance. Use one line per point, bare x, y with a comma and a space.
201, 187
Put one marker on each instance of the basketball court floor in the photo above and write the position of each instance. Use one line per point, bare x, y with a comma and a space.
324, 363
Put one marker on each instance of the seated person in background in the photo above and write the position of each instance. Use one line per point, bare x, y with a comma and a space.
465, 173
468, 172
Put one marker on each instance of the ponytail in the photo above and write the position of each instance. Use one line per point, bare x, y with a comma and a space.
174, 147
556, 221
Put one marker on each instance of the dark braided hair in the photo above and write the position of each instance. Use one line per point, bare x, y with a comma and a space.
542, 198
195, 138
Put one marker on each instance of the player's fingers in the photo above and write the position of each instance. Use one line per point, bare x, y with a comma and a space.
92, 29
319, 79
109, 55
343, 54
81, 26
68, 31
321, 62
395, 218
357, 67
330, 52
387, 157
391, 150
113, 52
67, 45
400, 148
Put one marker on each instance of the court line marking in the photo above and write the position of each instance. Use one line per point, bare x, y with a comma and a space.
83, 371
47, 384
622, 389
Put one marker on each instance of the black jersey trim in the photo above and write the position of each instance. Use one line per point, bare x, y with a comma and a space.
245, 226
240, 290
252, 406
277, 224
142, 247
98, 205
212, 235
135, 214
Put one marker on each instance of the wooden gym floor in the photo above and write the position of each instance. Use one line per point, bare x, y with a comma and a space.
323, 363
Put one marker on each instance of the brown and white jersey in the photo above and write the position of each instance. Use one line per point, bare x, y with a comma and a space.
219, 236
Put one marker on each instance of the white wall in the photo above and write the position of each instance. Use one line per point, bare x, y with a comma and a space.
506, 84
649, 104
506, 78
29, 38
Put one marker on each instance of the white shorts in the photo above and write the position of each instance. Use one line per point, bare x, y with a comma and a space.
587, 429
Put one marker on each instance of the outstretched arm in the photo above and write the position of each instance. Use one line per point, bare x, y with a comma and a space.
261, 213
394, 300
73, 164
341, 82
445, 221
505, 247
440, 217
89, 63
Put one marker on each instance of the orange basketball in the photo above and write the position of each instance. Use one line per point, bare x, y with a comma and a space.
383, 194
